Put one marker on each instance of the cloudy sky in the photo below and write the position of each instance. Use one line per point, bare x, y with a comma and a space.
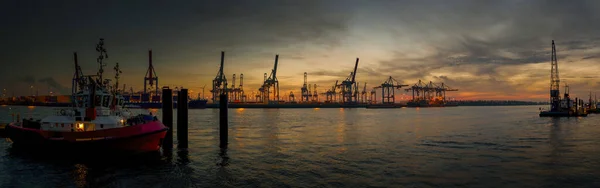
486, 49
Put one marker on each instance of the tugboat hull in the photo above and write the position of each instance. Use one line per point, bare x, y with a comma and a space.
132, 139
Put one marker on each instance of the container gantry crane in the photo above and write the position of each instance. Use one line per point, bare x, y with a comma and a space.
232, 91
304, 90
418, 91
260, 96
272, 83
373, 96
219, 85
315, 96
363, 94
388, 89
237, 93
309, 93
440, 92
331, 93
429, 93
348, 96
151, 76
241, 89
355, 93
292, 98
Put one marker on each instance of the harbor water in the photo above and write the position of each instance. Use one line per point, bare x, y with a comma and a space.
407, 147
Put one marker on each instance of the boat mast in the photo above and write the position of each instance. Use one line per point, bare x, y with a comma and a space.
100, 48
117, 73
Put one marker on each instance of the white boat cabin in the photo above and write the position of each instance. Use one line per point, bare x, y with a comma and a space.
105, 113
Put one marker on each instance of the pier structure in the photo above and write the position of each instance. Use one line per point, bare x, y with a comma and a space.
219, 84
167, 116
223, 121
182, 118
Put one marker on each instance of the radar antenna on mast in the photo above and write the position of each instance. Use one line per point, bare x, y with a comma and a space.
117, 73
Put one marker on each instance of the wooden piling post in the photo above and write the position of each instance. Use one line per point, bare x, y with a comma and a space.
223, 121
167, 113
182, 119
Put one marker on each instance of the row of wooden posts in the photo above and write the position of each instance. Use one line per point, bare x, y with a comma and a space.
182, 118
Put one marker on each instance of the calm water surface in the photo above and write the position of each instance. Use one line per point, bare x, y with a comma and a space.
408, 147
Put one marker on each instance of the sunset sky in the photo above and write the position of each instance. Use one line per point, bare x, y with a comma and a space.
486, 49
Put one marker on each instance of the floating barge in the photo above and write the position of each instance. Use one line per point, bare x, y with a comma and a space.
562, 114
565, 106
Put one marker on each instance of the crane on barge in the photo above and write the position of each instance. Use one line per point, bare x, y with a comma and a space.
560, 107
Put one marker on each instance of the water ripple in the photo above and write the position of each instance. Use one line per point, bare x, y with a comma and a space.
437, 147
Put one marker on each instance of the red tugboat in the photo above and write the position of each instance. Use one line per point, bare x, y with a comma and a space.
96, 122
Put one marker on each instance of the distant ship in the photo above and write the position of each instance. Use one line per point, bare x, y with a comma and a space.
197, 103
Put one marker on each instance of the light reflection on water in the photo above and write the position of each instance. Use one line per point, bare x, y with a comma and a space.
425, 147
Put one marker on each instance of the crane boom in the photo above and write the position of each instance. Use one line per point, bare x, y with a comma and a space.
222, 63
354, 73
275, 67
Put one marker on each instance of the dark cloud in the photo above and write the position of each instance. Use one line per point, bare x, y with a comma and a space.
591, 57
481, 37
29, 80
273, 21
49, 81
477, 37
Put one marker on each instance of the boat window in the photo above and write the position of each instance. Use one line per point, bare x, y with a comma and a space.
105, 101
81, 101
98, 100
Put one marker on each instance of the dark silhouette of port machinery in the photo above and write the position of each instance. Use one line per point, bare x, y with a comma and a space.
388, 88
